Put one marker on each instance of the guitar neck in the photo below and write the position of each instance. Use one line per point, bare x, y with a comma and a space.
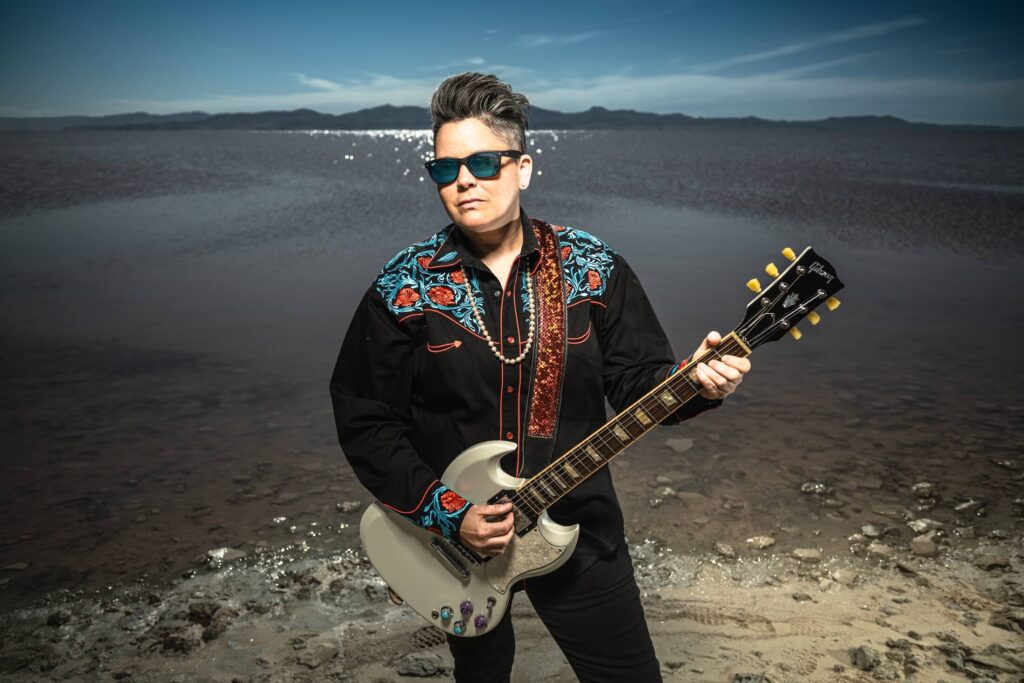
598, 449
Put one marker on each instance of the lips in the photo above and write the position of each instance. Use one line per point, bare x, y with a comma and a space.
469, 203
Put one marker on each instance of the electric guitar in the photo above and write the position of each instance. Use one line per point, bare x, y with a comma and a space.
465, 594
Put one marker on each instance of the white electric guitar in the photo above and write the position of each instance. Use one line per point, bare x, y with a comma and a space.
465, 594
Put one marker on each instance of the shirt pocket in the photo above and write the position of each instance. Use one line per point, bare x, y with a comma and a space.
582, 337
442, 348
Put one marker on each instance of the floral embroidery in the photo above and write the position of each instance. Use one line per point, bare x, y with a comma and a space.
406, 297
458, 277
442, 512
587, 265
441, 295
593, 279
423, 260
566, 251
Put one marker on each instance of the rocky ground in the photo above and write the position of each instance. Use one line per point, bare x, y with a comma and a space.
936, 608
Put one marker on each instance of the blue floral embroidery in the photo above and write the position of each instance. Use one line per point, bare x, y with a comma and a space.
434, 515
407, 286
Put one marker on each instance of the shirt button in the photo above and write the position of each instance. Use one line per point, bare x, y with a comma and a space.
510, 340
497, 294
509, 435
508, 390
508, 293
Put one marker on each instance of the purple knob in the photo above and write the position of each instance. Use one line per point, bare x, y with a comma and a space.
466, 608
480, 622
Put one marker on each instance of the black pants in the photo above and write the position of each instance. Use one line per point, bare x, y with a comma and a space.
596, 618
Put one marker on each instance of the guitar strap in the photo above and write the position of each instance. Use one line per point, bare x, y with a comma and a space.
549, 360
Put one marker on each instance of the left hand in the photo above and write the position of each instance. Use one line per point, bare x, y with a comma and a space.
718, 377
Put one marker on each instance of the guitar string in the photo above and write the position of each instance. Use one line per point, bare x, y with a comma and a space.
604, 437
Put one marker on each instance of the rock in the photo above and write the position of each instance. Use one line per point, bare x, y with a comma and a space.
218, 557
761, 542
879, 550
870, 531
833, 504
924, 525
924, 545
662, 479
17, 566
923, 490
864, 658
991, 556
317, 652
420, 665
826, 584
815, 488
890, 611
691, 497
844, 576
665, 492
994, 662
725, 550
808, 555
801, 597
968, 505
58, 618
679, 445
999, 534
1011, 620
348, 506
965, 532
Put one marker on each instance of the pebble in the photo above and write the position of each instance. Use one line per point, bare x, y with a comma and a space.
991, 556
725, 550
17, 566
801, 597
808, 555
662, 479
923, 489
316, 654
844, 576
814, 488
864, 657
761, 542
349, 506
924, 545
218, 556
420, 665
870, 531
879, 550
924, 525
679, 445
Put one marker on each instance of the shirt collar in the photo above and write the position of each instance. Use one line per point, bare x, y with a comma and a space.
454, 250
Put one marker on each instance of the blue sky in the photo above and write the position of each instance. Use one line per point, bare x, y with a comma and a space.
926, 60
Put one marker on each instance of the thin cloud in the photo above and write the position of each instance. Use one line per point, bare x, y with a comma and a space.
318, 83
534, 40
847, 35
470, 61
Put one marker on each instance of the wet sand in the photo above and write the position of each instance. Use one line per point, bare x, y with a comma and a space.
166, 395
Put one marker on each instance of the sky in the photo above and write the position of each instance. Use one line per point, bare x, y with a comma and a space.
923, 60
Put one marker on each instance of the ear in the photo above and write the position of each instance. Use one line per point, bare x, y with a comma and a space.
525, 171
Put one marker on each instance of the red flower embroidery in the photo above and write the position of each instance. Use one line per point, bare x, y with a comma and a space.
565, 252
452, 501
406, 296
458, 277
593, 279
423, 260
442, 296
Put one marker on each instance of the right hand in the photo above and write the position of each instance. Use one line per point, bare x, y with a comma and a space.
487, 529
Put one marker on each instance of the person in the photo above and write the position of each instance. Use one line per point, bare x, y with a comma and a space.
502, 326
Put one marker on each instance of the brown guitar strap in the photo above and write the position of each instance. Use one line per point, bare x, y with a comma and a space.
549, 358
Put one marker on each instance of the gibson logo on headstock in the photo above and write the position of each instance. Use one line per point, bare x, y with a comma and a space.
816, 267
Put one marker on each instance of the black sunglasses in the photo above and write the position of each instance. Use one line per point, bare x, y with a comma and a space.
481, 165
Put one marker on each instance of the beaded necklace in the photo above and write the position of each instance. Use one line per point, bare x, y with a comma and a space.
487, 335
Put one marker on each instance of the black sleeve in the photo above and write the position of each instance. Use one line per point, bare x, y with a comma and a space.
371, 390
637, 354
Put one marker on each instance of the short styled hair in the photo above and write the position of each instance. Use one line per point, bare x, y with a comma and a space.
483, 96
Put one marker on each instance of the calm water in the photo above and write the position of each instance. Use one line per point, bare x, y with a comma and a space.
174, 303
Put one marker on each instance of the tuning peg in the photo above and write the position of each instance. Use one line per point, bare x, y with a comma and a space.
832, 303
795, 333
814, 317
753, 285
789, 254
771, 270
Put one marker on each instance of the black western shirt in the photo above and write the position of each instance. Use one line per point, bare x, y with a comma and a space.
416, 383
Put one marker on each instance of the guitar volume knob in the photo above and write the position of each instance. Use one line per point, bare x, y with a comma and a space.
466, 608
446, 613
458, 628
480, 622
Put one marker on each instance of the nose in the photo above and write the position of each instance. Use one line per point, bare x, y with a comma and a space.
465, 178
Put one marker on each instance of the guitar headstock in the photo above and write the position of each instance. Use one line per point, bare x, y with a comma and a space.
808, 282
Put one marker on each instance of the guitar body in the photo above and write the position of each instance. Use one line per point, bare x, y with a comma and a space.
431, 574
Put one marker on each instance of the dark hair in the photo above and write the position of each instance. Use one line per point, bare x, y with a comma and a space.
483, 96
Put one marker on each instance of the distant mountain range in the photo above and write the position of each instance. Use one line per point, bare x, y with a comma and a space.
388, 116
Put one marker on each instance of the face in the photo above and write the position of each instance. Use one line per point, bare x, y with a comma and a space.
480, 204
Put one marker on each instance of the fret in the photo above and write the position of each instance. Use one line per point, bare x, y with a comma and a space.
594, 455
634, 429
547, 491
571, 470
539, 498
555, 477
656, 410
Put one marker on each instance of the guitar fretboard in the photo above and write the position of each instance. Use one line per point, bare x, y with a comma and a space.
625, 429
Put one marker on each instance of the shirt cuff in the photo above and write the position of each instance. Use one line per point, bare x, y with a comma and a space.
441, 511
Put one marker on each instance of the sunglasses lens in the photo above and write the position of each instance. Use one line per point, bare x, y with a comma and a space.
484, 164
443, 171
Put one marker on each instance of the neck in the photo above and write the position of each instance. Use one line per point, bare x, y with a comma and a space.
497, 242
